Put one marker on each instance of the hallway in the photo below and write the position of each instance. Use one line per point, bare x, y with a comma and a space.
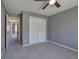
12, 31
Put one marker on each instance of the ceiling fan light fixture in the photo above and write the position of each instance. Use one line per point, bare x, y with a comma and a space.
51, 2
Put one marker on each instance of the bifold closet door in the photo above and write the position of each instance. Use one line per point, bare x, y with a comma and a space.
42, 30
37, 30
33, 30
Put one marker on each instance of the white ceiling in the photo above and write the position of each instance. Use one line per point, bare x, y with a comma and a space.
16, 6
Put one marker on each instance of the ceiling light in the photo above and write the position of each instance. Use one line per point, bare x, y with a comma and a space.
51, 2
13, 20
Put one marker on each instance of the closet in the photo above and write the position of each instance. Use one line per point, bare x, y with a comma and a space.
37, 30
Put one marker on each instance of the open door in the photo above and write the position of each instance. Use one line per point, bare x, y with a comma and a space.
7, 28
12, 31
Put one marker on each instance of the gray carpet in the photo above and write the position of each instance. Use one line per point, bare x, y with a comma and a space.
43, 50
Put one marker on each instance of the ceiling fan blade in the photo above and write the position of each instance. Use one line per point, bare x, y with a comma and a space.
45, 6
41, 0
57, 4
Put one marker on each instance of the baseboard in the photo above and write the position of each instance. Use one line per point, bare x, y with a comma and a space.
53, 43
33, 43
2, 52
63, 45
26, 45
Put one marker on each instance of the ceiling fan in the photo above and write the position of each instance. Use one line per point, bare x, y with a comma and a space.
50, 2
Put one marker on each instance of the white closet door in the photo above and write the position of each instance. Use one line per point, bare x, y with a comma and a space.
37, 30
42, 32
33, 31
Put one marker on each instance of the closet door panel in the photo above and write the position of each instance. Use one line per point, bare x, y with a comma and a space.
39, 31
33, 31
43, 30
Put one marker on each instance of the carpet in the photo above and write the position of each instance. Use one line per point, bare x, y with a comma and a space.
43, 50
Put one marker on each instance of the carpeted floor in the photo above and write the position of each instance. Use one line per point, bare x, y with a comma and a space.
43, 50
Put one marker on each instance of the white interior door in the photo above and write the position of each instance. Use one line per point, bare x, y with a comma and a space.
42, 31
37, 30
33, 35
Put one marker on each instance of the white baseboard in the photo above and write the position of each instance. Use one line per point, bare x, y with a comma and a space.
54, 43
2, 52
32, 44
63, 45
26, 45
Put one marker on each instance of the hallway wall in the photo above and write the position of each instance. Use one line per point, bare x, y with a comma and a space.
3, 12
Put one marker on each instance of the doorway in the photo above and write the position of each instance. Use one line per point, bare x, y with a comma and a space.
12, 27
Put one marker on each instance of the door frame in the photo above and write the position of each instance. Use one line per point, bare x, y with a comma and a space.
5, 31
20, 17
6, 15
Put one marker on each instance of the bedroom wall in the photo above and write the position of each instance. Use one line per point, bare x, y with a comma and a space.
25, 24
3, 12
64, 28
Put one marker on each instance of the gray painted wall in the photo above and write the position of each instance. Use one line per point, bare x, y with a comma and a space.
3, 11
26, 25
63, 28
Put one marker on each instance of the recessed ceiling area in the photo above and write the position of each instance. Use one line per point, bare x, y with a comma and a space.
16, 6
